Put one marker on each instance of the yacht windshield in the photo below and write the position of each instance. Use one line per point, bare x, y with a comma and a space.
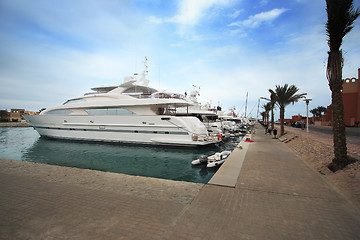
59, 112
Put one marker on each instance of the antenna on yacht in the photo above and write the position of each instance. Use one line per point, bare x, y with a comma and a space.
142, 79
159, 79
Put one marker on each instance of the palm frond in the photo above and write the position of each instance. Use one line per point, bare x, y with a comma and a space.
341, 16
284, 95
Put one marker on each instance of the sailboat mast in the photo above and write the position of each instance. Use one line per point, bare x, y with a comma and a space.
246, 103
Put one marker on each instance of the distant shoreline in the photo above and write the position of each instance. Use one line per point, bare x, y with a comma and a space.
14, 124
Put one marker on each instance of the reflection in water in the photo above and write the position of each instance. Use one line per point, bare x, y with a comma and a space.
167, 163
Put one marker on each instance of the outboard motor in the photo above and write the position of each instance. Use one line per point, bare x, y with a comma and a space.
203, 159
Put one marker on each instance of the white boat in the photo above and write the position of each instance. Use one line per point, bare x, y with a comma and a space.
202, 112
212, 161
233, 124
129, 113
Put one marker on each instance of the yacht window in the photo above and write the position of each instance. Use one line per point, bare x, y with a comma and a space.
108, 111
96, 111
59, 112
161, 111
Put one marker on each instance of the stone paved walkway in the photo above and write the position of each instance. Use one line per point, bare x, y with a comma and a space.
277, 196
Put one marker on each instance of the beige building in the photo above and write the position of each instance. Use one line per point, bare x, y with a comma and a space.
15, 115
31, 113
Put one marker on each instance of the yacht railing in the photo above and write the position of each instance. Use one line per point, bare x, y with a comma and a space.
160, 95
168, 95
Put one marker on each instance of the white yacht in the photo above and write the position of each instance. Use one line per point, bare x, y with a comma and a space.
203, 113
196, 109
129, 113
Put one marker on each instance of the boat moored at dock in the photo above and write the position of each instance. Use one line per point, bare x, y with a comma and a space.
214, 160
129, 113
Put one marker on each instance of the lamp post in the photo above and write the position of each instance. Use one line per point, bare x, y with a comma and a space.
257, 115
307, 100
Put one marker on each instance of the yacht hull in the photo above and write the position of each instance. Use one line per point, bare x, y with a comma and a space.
150, 130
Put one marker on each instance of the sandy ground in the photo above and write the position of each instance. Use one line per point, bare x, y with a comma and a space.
144, 187
318, 152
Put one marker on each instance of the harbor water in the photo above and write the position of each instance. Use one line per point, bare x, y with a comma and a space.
25, 144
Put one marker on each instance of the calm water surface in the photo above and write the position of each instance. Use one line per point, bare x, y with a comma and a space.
168, 163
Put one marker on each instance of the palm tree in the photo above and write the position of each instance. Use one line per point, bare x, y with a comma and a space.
267, 109
284, 95
317, 112
263, 114
341, 16
272, 102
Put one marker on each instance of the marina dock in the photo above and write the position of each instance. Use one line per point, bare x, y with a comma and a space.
263, 191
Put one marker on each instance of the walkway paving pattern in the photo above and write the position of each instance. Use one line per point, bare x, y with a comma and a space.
277, 196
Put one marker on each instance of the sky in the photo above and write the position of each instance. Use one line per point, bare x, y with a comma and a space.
51, 50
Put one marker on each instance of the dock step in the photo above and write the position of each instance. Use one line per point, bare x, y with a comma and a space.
286, 140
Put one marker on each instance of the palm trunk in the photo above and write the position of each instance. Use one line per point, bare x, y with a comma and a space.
335, 82
340, 150
272, 119
282, 113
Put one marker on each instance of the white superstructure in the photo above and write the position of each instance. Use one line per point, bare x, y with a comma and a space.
129, 113
203, 113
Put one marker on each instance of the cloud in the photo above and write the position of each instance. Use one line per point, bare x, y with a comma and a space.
263, 2
47, 75
190, 12
74, 23
224, 51
227, 72
256, 20
238, 32
154, 20
236, 13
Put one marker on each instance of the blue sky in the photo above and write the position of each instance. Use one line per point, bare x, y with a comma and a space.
55, 50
